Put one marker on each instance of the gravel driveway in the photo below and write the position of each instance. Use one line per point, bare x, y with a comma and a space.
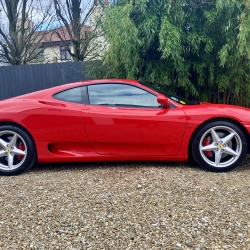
125, 206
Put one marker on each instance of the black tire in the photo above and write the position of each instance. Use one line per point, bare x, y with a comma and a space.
213, 149
22, 143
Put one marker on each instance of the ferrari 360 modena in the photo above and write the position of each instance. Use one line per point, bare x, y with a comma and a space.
118, 120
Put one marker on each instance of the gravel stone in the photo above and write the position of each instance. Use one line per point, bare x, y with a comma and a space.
125, 206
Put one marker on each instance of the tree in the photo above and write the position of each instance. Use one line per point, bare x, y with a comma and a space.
19, 36
195, 48
76, 16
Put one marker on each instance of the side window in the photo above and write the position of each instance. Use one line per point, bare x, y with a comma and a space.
120, 95
77, 95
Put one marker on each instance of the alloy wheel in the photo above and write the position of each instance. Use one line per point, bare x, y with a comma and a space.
13, 150
220, 146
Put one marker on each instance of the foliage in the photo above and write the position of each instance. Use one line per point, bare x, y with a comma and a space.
195, 48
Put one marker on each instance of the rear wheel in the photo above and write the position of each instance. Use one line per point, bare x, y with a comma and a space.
17, 150
219, 146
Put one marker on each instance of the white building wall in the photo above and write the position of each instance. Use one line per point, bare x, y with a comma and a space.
98, 45
52, 53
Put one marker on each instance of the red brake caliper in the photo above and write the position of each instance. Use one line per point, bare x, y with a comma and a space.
206, 142
21, 147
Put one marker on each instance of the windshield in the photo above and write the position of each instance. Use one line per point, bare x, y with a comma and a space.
173, 97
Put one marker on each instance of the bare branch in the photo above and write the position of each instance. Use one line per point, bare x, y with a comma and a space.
69, 11
75, 15
88, 15
59, 14
20, 44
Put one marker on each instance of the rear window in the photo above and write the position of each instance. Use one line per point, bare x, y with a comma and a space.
75, 95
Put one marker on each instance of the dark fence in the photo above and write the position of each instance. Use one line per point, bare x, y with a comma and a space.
19, 80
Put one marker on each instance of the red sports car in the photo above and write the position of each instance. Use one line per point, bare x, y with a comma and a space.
118, 120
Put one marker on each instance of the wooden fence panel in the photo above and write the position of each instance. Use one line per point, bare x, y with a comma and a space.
23, 79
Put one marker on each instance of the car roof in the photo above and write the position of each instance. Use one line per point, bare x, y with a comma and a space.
50, 91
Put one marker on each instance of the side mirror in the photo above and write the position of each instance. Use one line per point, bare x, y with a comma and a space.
162, 99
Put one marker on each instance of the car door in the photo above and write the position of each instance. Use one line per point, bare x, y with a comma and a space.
57, 125
123, 119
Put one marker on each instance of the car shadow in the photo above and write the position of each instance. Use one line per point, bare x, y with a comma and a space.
87, 166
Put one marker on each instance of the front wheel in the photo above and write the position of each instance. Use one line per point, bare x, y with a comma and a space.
17, 150
219, 146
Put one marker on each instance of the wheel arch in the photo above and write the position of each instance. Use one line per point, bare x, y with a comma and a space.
244, 130
10, 123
